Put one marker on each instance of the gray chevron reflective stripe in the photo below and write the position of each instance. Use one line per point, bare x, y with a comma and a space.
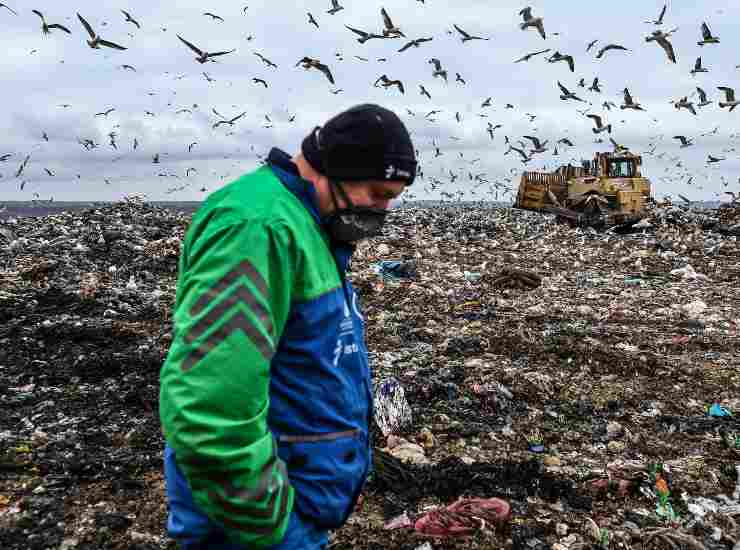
237, 320
245, 268
272, 485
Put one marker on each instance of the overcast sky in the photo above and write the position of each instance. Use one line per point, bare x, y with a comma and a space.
42, 73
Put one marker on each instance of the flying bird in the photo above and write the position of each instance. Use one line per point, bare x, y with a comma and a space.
106, 113
595, 85
730, 100
712, 160
265, 60
608, 47
662, 38
566, 94
659, 20
230, 121
707, 37
537, 146
309, 63
530, 21
591, 45
129, 67
423, 91
390, 29
458, 78
311, 20
684, 103
386, 82
465, 37
702, 97
684, 141
531, 55
22, 166
335, 7
46, 28
566, 141
203, 56
486, 102
629, 103
557, 56
414, 43
260, 81
130, 19
698, 67
95, 41
438, 71
364, 36
213, 16
11, 10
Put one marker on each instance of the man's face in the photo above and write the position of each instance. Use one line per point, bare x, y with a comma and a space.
371, 193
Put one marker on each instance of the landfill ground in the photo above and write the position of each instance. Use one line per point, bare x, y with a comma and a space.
509, 330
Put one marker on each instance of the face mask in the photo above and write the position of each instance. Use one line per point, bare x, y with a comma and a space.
353, 223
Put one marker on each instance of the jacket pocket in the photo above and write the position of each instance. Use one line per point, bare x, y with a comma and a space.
327, 471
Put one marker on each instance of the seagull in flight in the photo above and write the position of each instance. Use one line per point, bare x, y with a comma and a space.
130, 19
662, 38
707, 37
390, 30
557, 56
608, 47
531, 55
203, 56
414, 43
335, 7
230, 121
659, 20
265, 60
730, 100
364, 36
465, 37
702, 97
386, 82
213, 16
309, 63
629, 103
95, 41
424, 91
438, 71
698, 67
106, 113
566, 94
600, 127
311, 20
685, 142
46, 28
11, 10
529, 21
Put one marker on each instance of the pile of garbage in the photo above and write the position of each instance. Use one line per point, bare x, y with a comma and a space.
538, 386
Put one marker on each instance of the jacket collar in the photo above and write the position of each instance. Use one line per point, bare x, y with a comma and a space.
287, 172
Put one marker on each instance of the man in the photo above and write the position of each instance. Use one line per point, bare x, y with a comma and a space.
265, 395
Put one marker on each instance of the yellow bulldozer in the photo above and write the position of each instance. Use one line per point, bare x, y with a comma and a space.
608, 190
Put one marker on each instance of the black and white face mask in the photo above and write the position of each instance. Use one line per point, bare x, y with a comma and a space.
352, 223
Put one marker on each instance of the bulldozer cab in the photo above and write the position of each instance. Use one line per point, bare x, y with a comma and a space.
621, 168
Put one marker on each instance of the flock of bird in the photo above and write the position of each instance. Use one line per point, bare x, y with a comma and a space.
389, 30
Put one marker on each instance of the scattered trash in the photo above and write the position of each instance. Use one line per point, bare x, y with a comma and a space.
392, 411
396, 269
718, 410
607, 374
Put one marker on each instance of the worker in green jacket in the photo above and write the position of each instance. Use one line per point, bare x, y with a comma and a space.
265, 396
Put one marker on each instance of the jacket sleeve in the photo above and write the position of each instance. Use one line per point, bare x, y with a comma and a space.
233, 302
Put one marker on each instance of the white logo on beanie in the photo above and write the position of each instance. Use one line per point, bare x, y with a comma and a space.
393, 171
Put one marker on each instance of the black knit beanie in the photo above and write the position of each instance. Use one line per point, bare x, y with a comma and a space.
362, 143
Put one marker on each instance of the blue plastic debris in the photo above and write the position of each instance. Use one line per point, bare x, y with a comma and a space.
718, 410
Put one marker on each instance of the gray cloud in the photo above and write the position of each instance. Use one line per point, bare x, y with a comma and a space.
63, 69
